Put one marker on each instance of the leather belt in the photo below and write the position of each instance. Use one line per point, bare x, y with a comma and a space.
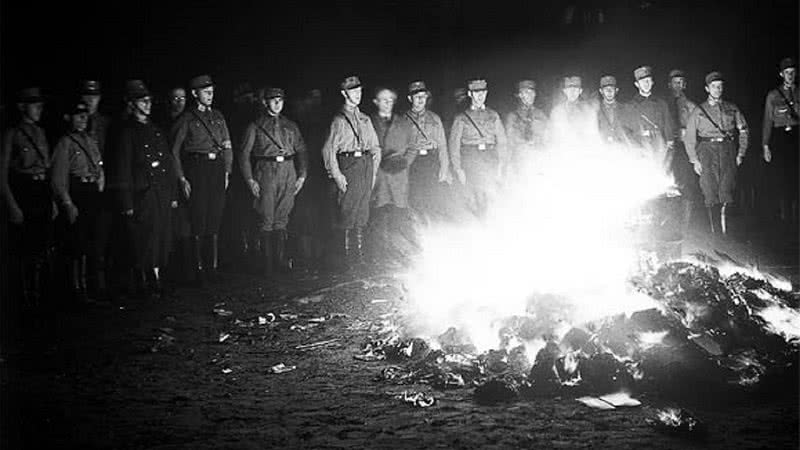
210, 156
277, 158
85, 179
713, 139
354, 153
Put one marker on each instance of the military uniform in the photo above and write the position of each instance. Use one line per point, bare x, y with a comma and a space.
570, 120
145, 179
352, 149
648, 120
26, 164
610, 116
478, 146
77, 181
711, 139
201, 146
272, 144
391, 181
781, 111
526, 128
680, 107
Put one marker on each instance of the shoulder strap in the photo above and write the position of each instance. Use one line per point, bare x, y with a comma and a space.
208, 130
33, 143
85, 152
480, 133
352, 127
644, 116
416, 124
705, 113
264, 130
789, 103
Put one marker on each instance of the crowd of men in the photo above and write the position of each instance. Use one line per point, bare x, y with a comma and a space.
155, 190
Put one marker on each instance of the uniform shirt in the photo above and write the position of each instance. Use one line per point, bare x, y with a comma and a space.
405, 137
725, 114
680, 108
648, 117
97, 129
382, 126
190, 135
143, 161
777, 113
287, 141
609, 121
25, 149
464, 132
75, 155
526, 126
342, 138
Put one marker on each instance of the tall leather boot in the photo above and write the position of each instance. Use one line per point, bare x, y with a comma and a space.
79, 295
281, 260
212, 269
347, 241
359, 245
37, 282
723, 218
712, 219
84, 284
156, 290
197, 251
100, 282
141, 289
267, 257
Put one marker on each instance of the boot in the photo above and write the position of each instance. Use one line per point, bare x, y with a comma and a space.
360, 245
100, 282
75, 281
140, 289
283, 263
155, 289
267, 256
212, 272
84, 284
197, 251
723, 218
712, 219
37, 281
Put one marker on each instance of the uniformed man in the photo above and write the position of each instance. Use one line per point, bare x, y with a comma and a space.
610, 113
352, 155
648, 120
570, 120
77, 181
26, 191
685, 178
98, 129
711, 136
420, 137
274, 166
146, 184
526, 126
478, 148
201, 146
779, 138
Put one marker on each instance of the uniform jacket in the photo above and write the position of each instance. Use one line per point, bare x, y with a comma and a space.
648, 118
287, 141
726, 115
777, 112
342, 138
485, 127
143, 162
75, 155
190, 135
526, 126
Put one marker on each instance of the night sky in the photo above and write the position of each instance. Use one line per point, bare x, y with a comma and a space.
301, 45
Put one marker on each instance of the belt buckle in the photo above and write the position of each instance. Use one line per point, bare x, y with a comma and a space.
280, 158
357, 153
788, 128
481, 146
155, 164
212, 156
423, 152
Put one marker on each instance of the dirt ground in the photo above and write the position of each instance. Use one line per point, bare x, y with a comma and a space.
145, 374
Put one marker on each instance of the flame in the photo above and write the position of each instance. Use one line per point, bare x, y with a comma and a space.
651, 339
560, 228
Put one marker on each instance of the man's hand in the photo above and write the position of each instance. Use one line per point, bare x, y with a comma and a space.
72, 212
101, 182
739, 160
698, 168
299, 184
16, 217
128, 212
341, 182
227, 180
462, 177
186, 187
53, 210
255, 188
767, 154
173, 204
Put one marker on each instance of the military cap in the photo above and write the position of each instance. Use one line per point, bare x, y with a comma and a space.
200, 82
350, 82
90, 87
416, 87
135, 89
787, 63
30, 95
526, 84
272, 92
643, 72
477, 84
607, 80
76, 108
676, 73
713, 76
572, 81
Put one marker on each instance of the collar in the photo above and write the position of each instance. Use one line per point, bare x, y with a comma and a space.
389, 117
475, 108
612, 103
203, 108
417, 114
713, 102
271, 115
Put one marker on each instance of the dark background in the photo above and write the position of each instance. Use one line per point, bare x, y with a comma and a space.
303, 44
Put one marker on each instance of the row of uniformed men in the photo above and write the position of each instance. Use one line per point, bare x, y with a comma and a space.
404, 156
